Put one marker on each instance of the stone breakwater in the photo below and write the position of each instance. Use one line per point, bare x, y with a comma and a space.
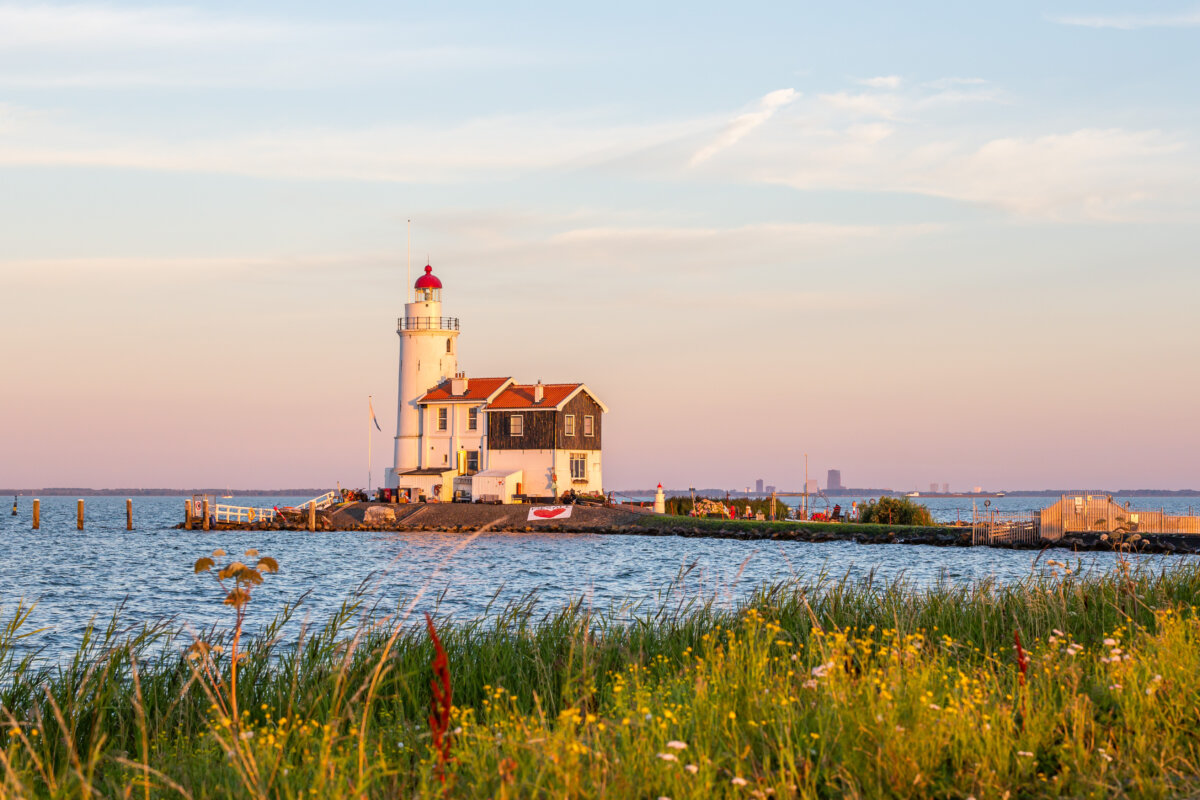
469, 518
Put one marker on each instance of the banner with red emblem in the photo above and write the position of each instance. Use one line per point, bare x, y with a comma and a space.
549, 512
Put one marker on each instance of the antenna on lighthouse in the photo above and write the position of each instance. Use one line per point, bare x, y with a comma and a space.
408, 270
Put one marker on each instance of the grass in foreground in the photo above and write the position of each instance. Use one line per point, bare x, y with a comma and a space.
830, 689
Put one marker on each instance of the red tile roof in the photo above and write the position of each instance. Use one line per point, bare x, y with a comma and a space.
521, 396
478, 390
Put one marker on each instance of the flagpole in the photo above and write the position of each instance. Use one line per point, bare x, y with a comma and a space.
408, 270
368, 448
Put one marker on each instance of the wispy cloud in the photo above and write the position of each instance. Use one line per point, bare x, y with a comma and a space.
91, 45
882, 82
745, 123
1130, 22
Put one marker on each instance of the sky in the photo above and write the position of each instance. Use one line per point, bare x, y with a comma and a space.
917, 242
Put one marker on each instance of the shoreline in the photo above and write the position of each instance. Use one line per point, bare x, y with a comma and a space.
473, 518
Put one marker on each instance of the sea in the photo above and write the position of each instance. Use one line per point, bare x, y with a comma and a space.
71, 577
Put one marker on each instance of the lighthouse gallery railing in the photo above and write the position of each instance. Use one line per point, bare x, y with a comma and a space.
427, 324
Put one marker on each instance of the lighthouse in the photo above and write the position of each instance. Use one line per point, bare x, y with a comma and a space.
428, 356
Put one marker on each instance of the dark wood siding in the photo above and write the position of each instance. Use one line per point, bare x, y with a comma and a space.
538, 426
581, 405
547, 430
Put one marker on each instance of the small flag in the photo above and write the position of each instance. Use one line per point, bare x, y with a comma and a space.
371, 409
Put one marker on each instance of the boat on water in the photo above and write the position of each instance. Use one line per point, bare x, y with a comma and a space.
913, 494
228, 493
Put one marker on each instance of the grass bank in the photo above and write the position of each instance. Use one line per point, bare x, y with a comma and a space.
825, 689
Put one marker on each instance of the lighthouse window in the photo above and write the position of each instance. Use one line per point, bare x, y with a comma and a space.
448, 345
578, 466
443, 415
569, 425
516, 425
588, 425
473, 419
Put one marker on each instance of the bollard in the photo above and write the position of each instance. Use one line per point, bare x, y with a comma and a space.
128, 514
187, 512
312, 516
204, 519
79, 515
37, 514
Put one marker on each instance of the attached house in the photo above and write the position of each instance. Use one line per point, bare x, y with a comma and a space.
550, 433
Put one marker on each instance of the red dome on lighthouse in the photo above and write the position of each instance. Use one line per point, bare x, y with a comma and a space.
428, 280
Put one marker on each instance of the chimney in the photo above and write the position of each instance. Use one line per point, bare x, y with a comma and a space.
458, 385
539, 392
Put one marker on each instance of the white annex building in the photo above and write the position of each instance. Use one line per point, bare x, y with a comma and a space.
484, 439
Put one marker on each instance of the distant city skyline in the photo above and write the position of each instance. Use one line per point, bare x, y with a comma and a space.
950, 242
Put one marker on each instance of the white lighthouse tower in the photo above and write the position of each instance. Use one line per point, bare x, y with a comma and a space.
428, 356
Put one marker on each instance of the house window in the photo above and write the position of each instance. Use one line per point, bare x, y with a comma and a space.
569, 424
472, 462
473, 418
516, 425
578, 466
443, 418
589, 423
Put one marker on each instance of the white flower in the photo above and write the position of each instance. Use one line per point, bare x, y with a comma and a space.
668, 756
1025, 753
738, 780
820, 670
677, 745
1057, 632
1110, 642
692, 768
811, 683
1116, 687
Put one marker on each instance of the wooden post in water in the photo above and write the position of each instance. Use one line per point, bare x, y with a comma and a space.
128, 514
37, 514
187, 515
78, 515
204, 519
312, 516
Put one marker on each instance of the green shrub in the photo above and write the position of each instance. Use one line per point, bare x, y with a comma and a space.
894, 511
682, 506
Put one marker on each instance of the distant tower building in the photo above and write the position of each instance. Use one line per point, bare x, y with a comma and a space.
758, 486
769, 489
933, 487
945, 488
811, 487
833, 483
428, 356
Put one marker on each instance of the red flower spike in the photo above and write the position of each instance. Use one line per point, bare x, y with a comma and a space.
439, 717
1022, 659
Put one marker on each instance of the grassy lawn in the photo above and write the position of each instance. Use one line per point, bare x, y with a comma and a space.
766, 526
824, 689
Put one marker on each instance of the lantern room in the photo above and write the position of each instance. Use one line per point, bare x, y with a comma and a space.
428, 287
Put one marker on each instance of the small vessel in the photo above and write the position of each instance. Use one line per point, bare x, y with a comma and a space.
228, 493
913, 494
